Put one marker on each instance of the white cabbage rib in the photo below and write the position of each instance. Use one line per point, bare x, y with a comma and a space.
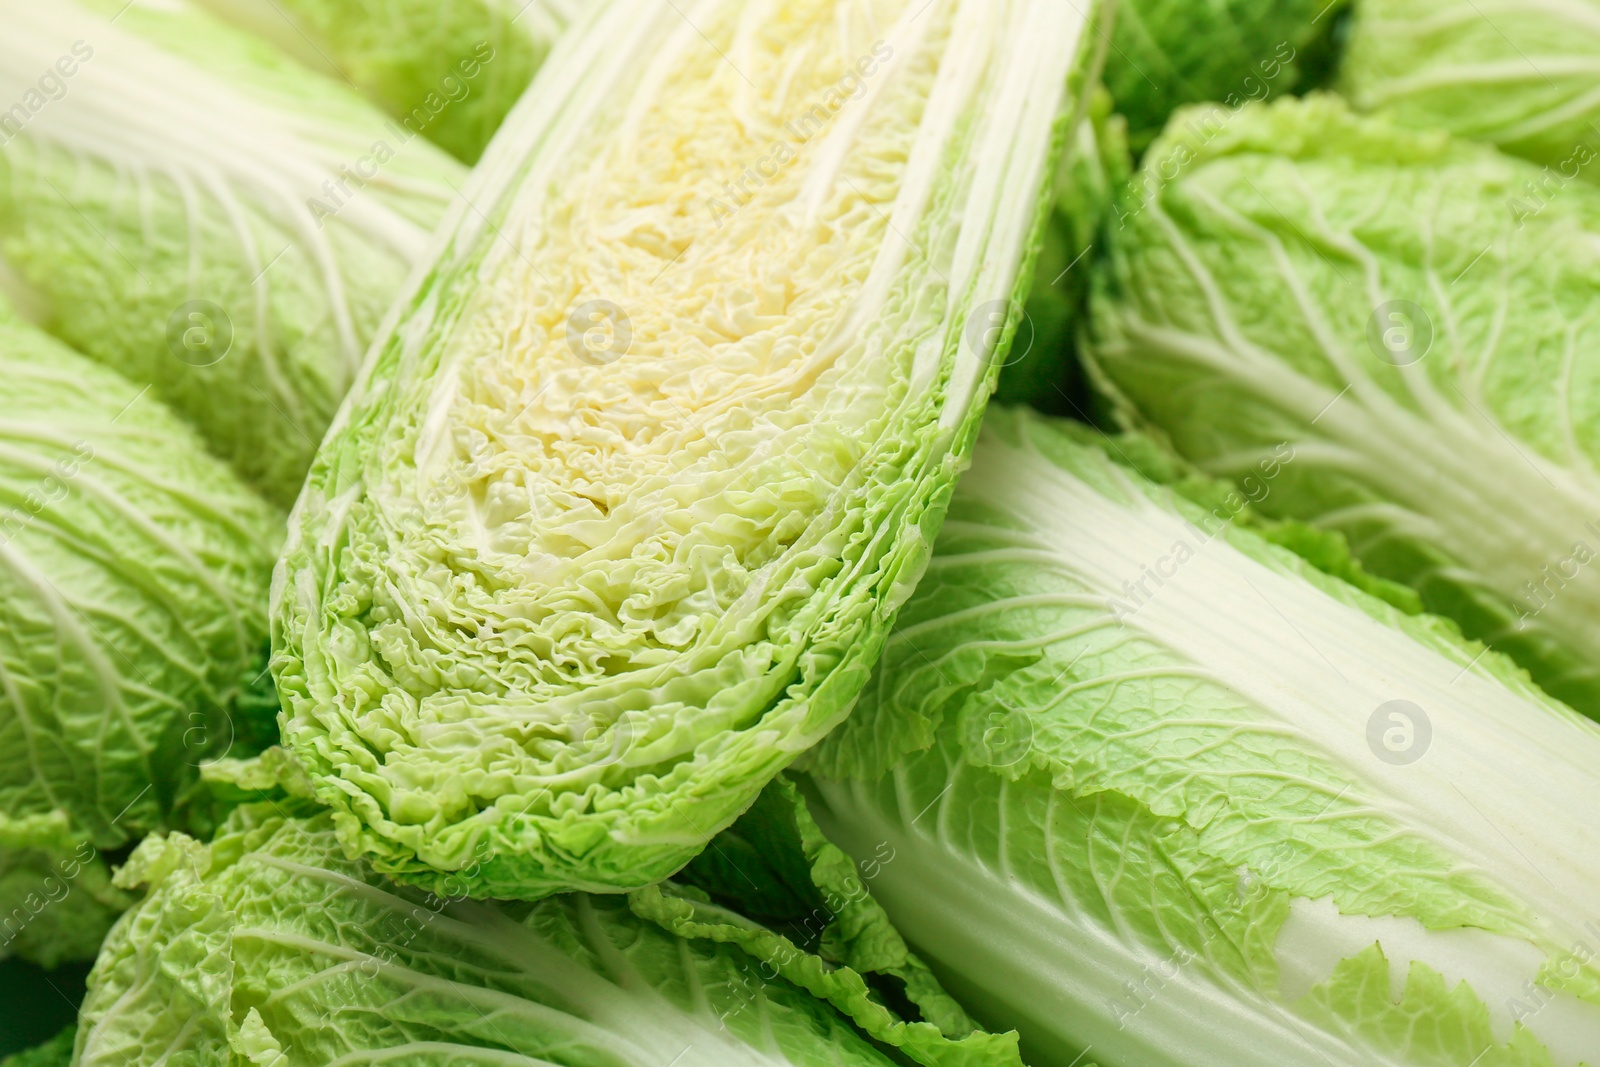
1327, 672
620, 573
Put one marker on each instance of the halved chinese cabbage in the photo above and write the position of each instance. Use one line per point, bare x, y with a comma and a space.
1161, 791
450, 71
1373, 298
617, 520
312, 959
202, 214
134, 571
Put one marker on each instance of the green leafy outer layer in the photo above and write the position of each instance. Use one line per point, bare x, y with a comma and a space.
819, 928
202, 214
618, 519
133, 585
1120, 749
56, 900
1250, 298
1166, 53
1520, 75
449, 71
268, 947
57, 1052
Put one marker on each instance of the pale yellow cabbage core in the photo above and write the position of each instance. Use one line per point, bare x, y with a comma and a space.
691, 340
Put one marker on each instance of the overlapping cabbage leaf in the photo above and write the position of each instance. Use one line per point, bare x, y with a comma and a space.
57, 1052
1166, 792
616, 522
1166, 53
134, 572
313, 959
1371, 297
56, 898
1523, 76
200, 213
449, 71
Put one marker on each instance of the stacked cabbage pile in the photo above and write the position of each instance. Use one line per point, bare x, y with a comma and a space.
504, 561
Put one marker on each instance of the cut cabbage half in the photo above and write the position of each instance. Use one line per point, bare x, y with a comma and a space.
615, 524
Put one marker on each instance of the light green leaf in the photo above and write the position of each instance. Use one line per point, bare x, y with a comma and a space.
134, 571
1521, 76
268, 947
1430, 1023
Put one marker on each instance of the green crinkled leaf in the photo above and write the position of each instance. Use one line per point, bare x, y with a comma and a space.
1520, 76
57, 902
1432, 1024
134, 572
842, 987
269, 947
1257, 278
775, 866
1166, 53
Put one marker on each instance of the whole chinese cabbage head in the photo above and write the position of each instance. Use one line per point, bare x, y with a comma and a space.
1164, 794
194, 209
1523, 77
1375, 299
133, 583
